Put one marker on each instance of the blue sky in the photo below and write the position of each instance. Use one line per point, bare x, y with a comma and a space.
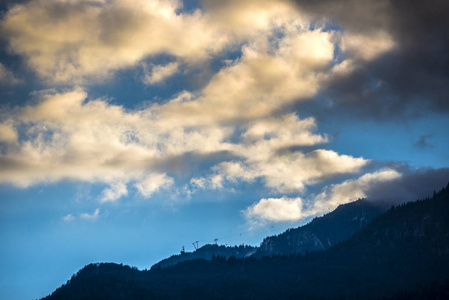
129, 129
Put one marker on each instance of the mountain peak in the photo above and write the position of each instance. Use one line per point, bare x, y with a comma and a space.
322, 232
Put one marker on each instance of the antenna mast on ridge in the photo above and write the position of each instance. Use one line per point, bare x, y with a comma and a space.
195, 245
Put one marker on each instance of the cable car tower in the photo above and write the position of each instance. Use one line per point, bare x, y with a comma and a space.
195, 245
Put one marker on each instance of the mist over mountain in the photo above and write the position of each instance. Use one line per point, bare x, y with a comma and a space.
404, 251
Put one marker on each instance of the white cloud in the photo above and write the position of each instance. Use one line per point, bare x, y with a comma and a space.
114, 192
284, 131
263, 153
233, 171
68, 218
367, 47
94, 38
68, 136
265, 78
159, 73
275, 210
68, 40
87, 216
8, 133
245, 18
283, 59
264, 138
351, 190
294, 209
153, 183
292, 171
213, 182
199, 182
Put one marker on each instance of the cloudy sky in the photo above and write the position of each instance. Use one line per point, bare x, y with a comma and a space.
131, 128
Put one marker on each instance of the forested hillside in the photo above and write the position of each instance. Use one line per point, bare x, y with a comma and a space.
404, 251
318, 235
208, 252
322, 232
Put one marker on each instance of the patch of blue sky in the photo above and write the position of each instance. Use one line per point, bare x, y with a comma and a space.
37, 239
391, 140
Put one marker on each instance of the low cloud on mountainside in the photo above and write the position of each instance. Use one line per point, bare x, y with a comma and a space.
412, 185
385, 188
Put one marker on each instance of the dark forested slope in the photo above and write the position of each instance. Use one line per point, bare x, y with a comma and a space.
207, 252
323, 232
402, 249
318, 235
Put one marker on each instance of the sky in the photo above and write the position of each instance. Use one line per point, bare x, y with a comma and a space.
129, 129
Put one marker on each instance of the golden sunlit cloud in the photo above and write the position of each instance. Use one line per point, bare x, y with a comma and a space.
68, 137
283, 60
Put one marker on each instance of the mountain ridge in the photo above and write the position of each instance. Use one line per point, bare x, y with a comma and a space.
406, 246
322, 232
207, 252
318, 235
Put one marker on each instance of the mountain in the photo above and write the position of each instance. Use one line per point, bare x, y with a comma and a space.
208, 252
322, 232
318, 235
404, 251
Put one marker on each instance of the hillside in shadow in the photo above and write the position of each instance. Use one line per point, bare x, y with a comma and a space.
403, 252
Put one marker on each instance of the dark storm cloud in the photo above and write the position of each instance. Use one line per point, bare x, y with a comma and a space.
412, 185
6, 4
412, 78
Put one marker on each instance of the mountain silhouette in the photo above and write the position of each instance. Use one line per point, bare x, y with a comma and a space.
402, 253
208, 252
322, 232
318, 235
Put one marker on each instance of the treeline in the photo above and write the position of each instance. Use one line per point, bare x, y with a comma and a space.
323, 232
401, 250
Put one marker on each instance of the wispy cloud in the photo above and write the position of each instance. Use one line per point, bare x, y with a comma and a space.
287, 172
115, 191
157, 74
423, 142
93, 216
153, 183
68, 218
7, 76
